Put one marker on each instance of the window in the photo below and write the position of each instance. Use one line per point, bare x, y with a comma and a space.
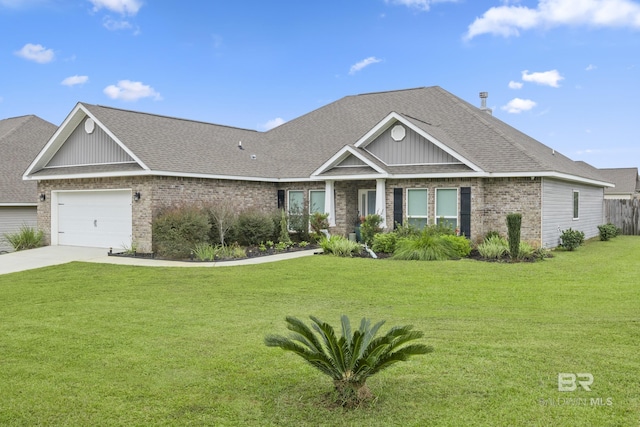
447, 206
316, 201
367, 205
417, 205
576, 204
295, 208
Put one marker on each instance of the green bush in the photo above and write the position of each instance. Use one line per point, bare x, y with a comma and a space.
514, 223
490, 234
204, 252
176, 231
526, 251
494, 247
370, 227
607, 231
253, 226
26, 238
354, 357
284, 237
318, 222
425, 247
340, 246
571, 239
460, 243
406, 230
385, 243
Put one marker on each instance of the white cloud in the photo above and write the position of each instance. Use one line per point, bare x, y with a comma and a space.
115, 25
590, 67
515, 85
123, 7
517, 105
272, 123
364, 63
36, 52
419, 4
509, 20
75, 80
127, 90
545, 78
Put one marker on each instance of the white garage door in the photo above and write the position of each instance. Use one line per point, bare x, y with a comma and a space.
100, 219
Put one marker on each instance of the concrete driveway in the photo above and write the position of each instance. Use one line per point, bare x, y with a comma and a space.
55, 255
46, 256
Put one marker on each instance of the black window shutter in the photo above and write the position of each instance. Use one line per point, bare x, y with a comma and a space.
465, 212
397, 207
280, 199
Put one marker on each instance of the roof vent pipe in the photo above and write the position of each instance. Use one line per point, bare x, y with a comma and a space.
483, 105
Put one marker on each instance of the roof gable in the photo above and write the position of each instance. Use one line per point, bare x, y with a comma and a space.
89, 144
20, 140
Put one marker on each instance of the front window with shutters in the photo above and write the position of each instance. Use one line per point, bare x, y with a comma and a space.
447, 206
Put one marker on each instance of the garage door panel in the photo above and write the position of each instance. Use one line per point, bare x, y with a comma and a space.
95, 218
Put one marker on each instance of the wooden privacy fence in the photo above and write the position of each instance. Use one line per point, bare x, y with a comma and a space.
624, 214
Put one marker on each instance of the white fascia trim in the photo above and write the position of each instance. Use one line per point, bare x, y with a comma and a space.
163, 173
557, 175
18, 205
343, 154
350, 177
74, 118
386, 123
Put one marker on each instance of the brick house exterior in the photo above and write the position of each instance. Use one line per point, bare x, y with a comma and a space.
419, 155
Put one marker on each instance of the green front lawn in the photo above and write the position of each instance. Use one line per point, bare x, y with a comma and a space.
91, 344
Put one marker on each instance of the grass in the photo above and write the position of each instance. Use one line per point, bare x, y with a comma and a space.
92, 344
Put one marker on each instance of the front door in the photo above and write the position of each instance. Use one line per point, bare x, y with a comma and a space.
366, 202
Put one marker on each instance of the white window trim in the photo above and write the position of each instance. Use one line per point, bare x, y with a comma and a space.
435, 207
426, 216
573, 206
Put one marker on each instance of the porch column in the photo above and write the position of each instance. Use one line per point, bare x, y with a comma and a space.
329, 202
381, 201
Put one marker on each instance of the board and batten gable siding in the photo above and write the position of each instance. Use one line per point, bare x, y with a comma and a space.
95, 148
12, 219
412, 150
557, 210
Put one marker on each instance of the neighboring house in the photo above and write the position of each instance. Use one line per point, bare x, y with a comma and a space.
626, 180
21, 139
418, 156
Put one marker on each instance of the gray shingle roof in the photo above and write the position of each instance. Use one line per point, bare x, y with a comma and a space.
297, 148
625, 179
21, 138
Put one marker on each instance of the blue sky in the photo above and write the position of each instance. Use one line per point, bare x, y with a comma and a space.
566, 72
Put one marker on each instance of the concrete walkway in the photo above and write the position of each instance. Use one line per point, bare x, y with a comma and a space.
55, 255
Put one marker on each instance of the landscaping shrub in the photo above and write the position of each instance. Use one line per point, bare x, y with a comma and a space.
385, 243
299, 223
460, 243
177, 231
526, 251
607, 231
25, 238
514, 223
204, 252
318, 222
406, 230
340, 246
354, 357
284, 237
494, 247
253, 226
425, 247
370, 227
571, 239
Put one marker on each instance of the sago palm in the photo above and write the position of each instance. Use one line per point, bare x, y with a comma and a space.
352, 358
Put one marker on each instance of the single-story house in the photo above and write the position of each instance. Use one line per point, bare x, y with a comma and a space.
419, 156
21, 139
626, 180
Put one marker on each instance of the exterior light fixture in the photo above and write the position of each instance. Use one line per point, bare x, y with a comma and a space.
136, 196
43, 197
